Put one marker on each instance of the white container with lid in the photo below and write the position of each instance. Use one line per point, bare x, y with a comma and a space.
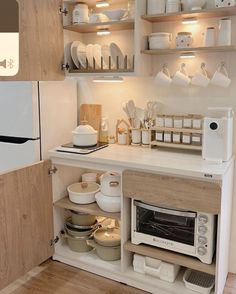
80, 13
160, 40
156, 7
85, 135
173, 6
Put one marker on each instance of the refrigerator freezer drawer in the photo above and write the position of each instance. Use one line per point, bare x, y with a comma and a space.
13, 156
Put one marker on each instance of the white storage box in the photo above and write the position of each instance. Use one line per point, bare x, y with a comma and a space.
155, 267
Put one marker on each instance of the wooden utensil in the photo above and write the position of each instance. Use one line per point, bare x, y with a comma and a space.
92, 114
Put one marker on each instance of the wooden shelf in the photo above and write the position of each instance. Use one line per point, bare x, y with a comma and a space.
200, 14
195, 49
176, 146
180, 130
172, 257
92, 208
94, 27
100, 71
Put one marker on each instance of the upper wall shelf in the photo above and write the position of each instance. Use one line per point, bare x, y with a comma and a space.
194, 49
94, 27
205, 13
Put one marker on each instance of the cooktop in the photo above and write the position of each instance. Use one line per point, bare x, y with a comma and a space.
70, 148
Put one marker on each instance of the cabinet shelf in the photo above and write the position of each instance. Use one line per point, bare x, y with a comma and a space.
176, 146
200, 14
194, 49
92, 208
172, 257
94, 27
178, 130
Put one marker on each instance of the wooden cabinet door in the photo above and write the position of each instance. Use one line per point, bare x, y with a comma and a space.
26, 218
41, 41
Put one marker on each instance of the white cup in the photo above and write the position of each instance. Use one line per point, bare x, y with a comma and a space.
181, 78
156, 7
136, 136
220, 77
201, 79
163, 77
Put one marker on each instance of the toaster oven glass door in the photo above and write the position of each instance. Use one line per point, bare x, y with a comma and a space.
175, 225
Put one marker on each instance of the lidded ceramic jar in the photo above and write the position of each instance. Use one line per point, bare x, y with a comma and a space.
184, 40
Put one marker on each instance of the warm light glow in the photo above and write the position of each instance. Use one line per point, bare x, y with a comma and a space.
103, 32
187, 55
190, 20
108, 80
100, 4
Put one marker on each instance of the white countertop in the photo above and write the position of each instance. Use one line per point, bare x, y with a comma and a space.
116, 157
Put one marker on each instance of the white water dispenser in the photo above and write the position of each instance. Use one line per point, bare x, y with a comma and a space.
218, 134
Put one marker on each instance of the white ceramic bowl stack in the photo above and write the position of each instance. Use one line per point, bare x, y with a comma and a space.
109, 199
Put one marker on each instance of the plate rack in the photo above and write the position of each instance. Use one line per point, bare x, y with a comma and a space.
111, 68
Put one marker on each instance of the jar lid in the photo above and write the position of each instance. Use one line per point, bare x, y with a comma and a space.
85, 130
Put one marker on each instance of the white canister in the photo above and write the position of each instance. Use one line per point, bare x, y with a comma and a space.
173, 6
80, 13
210, 37
156, 7
224, 3
136, 136
224, 38
184, 40
160, 40
111, 184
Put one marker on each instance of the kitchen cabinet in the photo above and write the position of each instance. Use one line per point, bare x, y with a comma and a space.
41, 41
26, 215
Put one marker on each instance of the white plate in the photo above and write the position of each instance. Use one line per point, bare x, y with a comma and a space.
116, 52
89, 54
97, 54
106, 52
73, 51
81, 54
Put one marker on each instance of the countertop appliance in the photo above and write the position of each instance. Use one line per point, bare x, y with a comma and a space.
33, 118
187, 232
218, 134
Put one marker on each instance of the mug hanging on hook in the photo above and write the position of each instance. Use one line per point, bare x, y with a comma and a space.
163, 77
221, 77
201, 78
181, 77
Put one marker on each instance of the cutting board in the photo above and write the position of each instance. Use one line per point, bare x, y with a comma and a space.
92, 113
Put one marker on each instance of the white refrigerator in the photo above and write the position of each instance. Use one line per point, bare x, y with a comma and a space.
34, 117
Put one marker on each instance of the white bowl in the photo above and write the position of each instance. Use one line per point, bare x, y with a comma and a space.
107, 203
193, 4
115, 14
83, 193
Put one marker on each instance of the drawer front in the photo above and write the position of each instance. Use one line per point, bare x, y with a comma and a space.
173, 192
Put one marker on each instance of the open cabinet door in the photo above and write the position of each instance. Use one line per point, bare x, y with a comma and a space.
41, 41
26, 219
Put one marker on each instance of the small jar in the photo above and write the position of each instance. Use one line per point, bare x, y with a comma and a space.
160, 120
80, 13
187, 122
136, 136
178, 122
184, 40
197, 121
168, 121
186, 138
145, 137
176, 138
196, 139
167, 137
159, 136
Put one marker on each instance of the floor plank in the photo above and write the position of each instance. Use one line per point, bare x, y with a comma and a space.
57, 278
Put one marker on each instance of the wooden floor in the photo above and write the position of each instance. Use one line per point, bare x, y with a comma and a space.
58, 278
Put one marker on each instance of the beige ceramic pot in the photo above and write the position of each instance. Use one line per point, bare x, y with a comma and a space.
82, 219
77, 244
107, 236
108, 253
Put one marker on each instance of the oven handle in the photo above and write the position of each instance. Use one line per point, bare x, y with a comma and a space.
167, 211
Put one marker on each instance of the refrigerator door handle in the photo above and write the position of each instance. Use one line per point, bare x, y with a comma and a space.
16, 140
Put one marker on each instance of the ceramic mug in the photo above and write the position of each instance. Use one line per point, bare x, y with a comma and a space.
163, 77
201, 78
220, 77
181, 77
210, 37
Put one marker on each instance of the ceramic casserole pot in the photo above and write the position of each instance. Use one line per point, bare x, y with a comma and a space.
107, 203
77, 244
85, 136
160, 41
111, 184
82, 219
83, 193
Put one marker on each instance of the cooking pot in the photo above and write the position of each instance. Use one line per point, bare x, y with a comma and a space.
77, 244
82, 219
160, 40
107, 203
83, 193
107, 236
79, 231
85, 136
111, 184
108, 253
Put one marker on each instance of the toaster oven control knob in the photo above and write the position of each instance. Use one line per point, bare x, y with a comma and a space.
202, 230
201, 251
202, 240
203, 219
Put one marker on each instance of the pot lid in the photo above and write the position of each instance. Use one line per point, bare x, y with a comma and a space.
162, 34
110, 175
108, 236
84, 130
84, 188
